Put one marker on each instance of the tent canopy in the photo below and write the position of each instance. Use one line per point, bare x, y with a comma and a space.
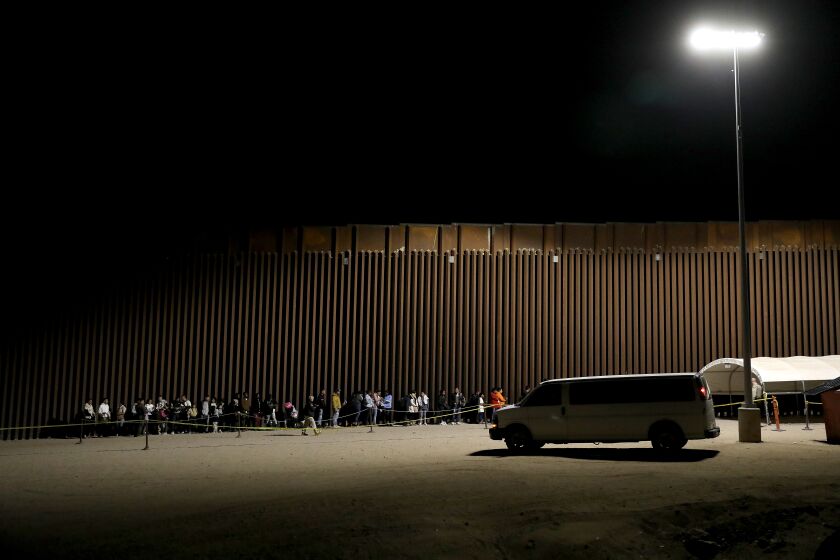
777, 375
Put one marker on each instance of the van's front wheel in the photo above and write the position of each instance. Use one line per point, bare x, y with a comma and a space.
667, 437
519, 439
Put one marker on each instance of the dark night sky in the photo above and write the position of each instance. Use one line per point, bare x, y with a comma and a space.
591, 114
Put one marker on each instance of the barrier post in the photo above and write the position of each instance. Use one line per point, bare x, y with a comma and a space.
81, 431
805, 398
776, 413
238, 425
146, 427
485, 418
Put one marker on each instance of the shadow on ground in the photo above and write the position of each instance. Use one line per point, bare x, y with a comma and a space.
606, 454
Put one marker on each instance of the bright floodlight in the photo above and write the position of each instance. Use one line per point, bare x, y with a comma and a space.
711, 39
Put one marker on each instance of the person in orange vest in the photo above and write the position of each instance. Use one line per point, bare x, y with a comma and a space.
497, 400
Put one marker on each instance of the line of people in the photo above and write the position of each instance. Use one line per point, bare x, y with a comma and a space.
369, 407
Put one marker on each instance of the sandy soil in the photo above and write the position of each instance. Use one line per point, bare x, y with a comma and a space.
418, 492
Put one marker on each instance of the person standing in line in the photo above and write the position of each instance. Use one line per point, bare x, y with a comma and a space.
480, 408
205, 413
213, 410
442, 406
309, 417
245, 409
358, 401
321, 401
121, 410
497, 401
87, 416
256, 410
105, 417
388, 408
458, 401
161, 411
336, 407
423, 405
413, 407
370, 405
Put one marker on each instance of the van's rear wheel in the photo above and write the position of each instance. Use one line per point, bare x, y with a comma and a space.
519, 439
667, 437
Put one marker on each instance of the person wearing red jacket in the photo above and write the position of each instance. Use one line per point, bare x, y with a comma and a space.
497, 400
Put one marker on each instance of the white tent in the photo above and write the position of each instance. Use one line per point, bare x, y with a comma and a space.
796, 374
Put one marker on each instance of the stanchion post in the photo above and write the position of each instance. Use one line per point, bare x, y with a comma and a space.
776, 414
805, 398
146, 427
238, 425
81, 431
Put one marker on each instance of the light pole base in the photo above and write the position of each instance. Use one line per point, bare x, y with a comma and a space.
749, 425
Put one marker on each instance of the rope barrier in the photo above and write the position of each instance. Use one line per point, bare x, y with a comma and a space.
207, 421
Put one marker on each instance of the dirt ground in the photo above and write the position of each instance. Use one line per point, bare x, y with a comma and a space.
418, 492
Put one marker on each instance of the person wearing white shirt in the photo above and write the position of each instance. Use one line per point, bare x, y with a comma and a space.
104, 416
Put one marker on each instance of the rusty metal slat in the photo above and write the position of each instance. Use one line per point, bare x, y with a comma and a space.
543, 312
825, 340
470, 327
646, 316
434, 320
834, 336
809, 295
399, 327
507, 317
188, 334
378, 317
732, 279
365, 323
785, 288
329, 345
308, 311
428, 306
796, 304
530, 320
681, 322
343, 307
495, 319
227, 331
258, 331
776, 305
564, 312
218, 302
271, 327
460, 290
486, 340
756, 305
592, 313
391, 309
707, 306
517, 333
723, 312
599, 295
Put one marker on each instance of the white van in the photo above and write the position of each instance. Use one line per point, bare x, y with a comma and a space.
666, 409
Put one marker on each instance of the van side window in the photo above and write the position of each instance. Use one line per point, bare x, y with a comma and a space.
624, 391
546, 395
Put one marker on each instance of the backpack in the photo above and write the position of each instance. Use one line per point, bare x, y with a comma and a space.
193, 412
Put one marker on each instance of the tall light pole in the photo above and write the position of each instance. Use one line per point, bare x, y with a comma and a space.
704, 39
